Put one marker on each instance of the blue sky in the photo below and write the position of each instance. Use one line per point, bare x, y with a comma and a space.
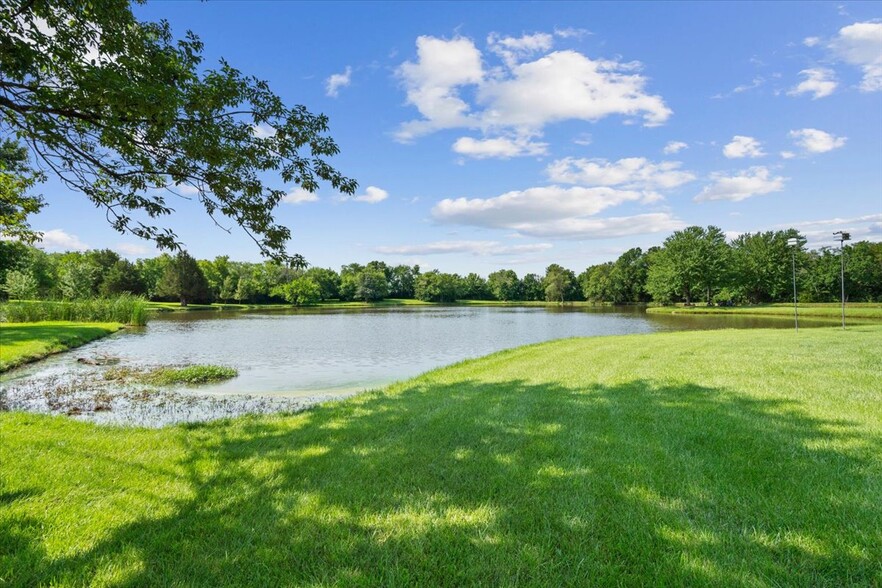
490, 135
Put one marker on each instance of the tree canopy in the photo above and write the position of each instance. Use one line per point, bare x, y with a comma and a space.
122, 112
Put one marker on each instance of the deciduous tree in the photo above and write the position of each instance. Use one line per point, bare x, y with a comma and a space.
123, 112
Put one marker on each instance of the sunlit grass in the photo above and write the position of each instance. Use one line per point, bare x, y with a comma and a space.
24, 342
125, 308
736, 458
863, 310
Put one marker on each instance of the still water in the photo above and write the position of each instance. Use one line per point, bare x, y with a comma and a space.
328, 352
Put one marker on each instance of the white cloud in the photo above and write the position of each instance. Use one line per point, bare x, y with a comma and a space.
811, 41
555, 212
432, 84
754, 83
534, 204
567, 85
787, 155
636, 173
583, 139
514, 49
860, 44
263, 131
742, 146
601, 228
815, 141
820, 232
571, 32
521, 96
185, 189
337, 81
754, 181
819, 82
732, 235
472, 247
674, 147
131, 249
58, 240
298, 196
501, 147
372, 195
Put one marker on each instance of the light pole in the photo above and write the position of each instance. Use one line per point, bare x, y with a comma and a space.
794, 243
843, 237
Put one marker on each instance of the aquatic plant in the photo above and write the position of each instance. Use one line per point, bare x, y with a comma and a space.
125, 308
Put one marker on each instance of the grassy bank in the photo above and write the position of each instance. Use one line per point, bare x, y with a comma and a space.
332, 304
126, 309
870, 310
25, 342
738, 458
176, 307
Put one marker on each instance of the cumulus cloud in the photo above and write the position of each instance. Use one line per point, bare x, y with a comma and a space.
860, 44
298, 196
636, 173
555, 212
522, 96
58, 240
534, 204
815, 141
819, 82
481, 248
754, 181
513, 49
500, 148
674, 147
787, 155
337, 81
567, 85
742, 146
432, 83
811, 41
372, 195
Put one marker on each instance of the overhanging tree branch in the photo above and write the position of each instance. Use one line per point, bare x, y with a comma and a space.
117, 107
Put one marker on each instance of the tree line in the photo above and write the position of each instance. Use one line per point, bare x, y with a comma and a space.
695, 264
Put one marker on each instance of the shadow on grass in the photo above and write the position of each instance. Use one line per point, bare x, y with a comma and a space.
506, 483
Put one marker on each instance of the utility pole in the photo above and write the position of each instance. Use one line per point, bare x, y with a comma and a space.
843, 237
794, 243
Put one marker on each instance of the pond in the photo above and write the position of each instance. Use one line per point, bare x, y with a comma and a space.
294, 358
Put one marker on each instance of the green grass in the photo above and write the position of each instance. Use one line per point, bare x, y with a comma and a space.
528, 303
863, 310
176, 307
722, 458
167, 376
25, 342
127, 309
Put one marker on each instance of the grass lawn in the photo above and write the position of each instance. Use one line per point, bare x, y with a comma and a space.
24, 342
859, 310
718, 458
